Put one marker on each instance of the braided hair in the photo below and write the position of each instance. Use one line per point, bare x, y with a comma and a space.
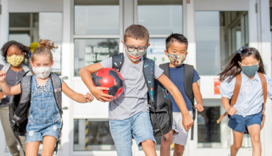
24, 49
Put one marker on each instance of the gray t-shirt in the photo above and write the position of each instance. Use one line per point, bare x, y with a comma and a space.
134, 98
12, 78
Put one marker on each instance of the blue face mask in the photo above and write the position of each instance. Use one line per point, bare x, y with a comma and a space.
250, 70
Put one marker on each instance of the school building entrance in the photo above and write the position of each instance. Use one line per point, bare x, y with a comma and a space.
88, 31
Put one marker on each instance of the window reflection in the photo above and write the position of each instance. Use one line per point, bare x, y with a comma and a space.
219, 34
92, 135
89, 51
97, 17
160, 17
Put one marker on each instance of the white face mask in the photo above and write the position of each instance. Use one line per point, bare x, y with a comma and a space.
42, 72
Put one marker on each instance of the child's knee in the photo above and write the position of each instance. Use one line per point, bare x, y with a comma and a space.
255, 139
237, 146
148, 143
168, 137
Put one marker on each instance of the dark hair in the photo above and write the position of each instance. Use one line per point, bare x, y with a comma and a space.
233, 68
45, 47
137, 32
176, 37
24, 49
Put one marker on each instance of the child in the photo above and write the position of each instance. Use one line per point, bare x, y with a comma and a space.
13, 54
44, 119
129, 113
247, 112
176, 45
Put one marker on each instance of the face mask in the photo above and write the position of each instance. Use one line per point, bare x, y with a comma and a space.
176, 60
250, 70
42, 72
135, 55
15, 60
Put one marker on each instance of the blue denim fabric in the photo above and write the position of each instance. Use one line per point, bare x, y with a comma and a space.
239, 123
44, 118
139, 126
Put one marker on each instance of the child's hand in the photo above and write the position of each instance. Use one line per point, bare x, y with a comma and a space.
2, 95
199, 107
187, 122
231, 111
88, 97
2, 75
98, 93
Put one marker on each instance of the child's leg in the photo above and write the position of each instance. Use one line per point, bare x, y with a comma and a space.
178, 150
32, 148
143, 133
165, 145
49, 143
122, 137
254, 131
237, 142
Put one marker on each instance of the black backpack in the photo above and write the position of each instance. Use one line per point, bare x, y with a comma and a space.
188, 81
160, 108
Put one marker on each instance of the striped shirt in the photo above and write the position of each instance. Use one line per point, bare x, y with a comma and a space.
250, 97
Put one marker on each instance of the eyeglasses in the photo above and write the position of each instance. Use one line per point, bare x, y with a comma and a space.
132, 49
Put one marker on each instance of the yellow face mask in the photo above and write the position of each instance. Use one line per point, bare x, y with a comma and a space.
15, 60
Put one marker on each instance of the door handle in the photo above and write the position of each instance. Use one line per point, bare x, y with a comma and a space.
65, 108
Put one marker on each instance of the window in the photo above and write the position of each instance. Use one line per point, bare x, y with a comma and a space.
96, 34
31, 27
91, 135
211, 134
89, 51
219, 34
96, 17
161, 18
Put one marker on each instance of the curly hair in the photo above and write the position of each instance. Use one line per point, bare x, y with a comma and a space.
45, 47
24, 49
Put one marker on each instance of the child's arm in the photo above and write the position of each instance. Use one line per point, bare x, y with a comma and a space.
198, 97
5, 87
187, 120
225, 102
76, 96
86, 77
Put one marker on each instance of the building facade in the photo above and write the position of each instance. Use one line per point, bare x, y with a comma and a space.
88, 31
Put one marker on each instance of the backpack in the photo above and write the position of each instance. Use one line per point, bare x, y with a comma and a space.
6, 68
236, 94
20, 105
188, 81
160, 108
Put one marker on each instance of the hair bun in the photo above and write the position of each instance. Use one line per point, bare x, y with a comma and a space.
47, 44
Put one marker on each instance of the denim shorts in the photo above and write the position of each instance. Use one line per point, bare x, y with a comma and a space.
138, 126
37, 132
239, 123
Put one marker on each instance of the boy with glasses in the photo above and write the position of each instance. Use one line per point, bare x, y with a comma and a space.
129, 114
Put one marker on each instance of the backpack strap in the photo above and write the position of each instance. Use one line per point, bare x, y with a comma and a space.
264, 86
117, 61
236, 91
27, 70
165, 68
188, 81
148, 71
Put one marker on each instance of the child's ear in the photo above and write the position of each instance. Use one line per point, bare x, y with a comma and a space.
186, 52
52, 63
31, 63
148, 45
166, 53
123, 44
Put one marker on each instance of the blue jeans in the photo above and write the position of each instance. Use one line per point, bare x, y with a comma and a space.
139, 126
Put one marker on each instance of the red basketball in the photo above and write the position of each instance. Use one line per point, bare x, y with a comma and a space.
110, 78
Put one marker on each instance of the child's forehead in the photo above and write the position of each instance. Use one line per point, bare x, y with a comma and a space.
136, 42
249, 59
177, 44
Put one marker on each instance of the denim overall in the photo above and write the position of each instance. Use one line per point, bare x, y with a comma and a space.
44, 118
